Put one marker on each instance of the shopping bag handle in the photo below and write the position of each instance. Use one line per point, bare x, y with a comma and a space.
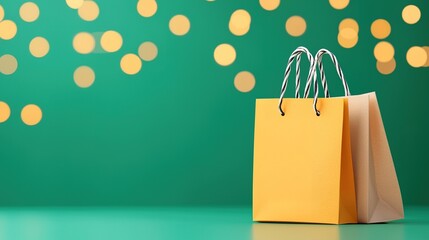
318, 60
296, 55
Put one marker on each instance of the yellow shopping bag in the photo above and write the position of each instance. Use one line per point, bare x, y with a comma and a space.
302, 168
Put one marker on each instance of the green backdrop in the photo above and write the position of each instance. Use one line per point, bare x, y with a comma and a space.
179, 132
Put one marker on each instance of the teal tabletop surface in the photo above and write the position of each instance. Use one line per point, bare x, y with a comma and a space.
190, 223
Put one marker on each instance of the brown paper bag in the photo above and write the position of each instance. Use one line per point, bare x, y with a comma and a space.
377, 188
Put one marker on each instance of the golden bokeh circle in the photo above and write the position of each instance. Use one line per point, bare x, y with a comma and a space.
8, 29
411, 14
131, 64
348, 33
4, 112
244, 81
89, 11
348, 23
384, 51
426, 48
8, 64
147, 8
224, 54
148, 51
269, 5
387, 67
74, 4
347, 42
1, 13
339, 4
179, 25
31, 114
84, 76
84, 43
111, 41
417, 56
39, 47
29, 12
239, 23
296, 26
380, 29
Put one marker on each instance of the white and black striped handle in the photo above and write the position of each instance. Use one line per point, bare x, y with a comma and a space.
318, 60
296, 55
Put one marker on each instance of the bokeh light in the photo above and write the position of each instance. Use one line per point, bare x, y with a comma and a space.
84, 76
380, 29
83, 43
31, 114
147, 8
348, 33
386, 67
411, 14
239, 23
348, 23
244, 81
269, 5
224, 54
339, 4
8, 64
8, 29
347, 42
39, 47
131, 64
1, 13
4, 112
111, 41
179, 25
296, 26
148, 51
29, 12
417, 56
74, 4
384, 51
89, 11
426, 48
